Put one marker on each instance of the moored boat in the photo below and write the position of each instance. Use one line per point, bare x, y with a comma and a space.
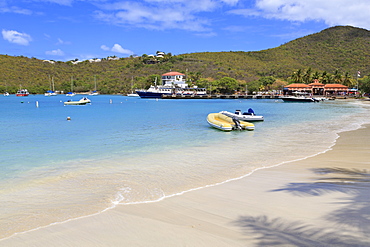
6, 94
22, 93
245, 116
133, 94
82, 101
50, 93
94, 93
225, 123
70, 94
173, 83
298, 97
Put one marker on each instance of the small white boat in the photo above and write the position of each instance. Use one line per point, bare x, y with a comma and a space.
22, 93
245, 116
94, 93
225, 123
70, 94
50, 93
6, 94
133, 94
82, 101
299, 97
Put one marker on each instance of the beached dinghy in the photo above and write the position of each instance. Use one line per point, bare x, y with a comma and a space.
225, 123
245, 116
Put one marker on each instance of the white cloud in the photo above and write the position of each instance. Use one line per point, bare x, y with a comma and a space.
62, 42
162, 14
120, 49
57, 52
60, 2
331, 12
105, 48
16, 37
5, 8
117, 48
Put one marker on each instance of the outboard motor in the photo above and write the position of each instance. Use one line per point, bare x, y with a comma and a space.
237, 124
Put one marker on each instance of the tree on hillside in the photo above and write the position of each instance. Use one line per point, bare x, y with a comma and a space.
325, 78
194, 77
347, 80
364, 84
337, 77
297, 76
307, 76
266, 82
227, 85
253, 86
315, 76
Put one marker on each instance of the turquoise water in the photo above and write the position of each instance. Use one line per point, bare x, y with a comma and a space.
122, 150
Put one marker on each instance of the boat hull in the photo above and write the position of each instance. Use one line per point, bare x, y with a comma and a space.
225, 123
298, 99
79, 102
247, 118
158, 92
145, 94
22, 93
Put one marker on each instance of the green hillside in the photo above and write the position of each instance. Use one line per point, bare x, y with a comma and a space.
337, 52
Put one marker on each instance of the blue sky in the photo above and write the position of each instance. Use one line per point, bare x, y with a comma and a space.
64, 30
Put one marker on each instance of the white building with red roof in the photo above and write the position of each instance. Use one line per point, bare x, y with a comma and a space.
174, 78
317, 88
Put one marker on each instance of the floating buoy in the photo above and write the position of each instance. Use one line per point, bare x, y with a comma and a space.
37, 104
68, 118
110, 101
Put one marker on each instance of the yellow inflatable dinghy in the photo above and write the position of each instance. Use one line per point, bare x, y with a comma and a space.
225, 123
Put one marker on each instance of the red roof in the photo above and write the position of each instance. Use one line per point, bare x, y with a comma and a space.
172, 73
297, 85
335, 86
316, 84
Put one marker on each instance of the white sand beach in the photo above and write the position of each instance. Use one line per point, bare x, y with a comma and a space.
320, 201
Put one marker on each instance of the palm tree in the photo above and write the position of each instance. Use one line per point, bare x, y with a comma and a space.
347, 80
307, 76
325, 78
315, 76
297, 76
337, 77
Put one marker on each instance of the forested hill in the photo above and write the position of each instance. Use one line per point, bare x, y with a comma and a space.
343, 48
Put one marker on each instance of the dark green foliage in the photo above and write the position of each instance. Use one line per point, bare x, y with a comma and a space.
337, 52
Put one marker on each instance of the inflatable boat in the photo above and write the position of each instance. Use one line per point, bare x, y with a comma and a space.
225, 123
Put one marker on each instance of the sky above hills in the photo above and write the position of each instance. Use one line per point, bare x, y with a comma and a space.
64, 30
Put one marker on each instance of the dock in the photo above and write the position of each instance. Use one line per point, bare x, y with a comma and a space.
218, 96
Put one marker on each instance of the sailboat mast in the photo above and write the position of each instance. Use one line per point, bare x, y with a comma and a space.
72, 83
52, 80
95, 82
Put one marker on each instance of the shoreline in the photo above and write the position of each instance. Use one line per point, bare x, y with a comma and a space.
299, 194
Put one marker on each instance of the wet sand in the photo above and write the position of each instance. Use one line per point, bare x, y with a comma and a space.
320, 201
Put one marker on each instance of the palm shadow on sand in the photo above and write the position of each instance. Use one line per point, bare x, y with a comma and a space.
355, 212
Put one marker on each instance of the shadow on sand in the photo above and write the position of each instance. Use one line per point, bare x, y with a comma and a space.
354, 213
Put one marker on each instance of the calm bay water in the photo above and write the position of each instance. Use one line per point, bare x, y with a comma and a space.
122, 150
